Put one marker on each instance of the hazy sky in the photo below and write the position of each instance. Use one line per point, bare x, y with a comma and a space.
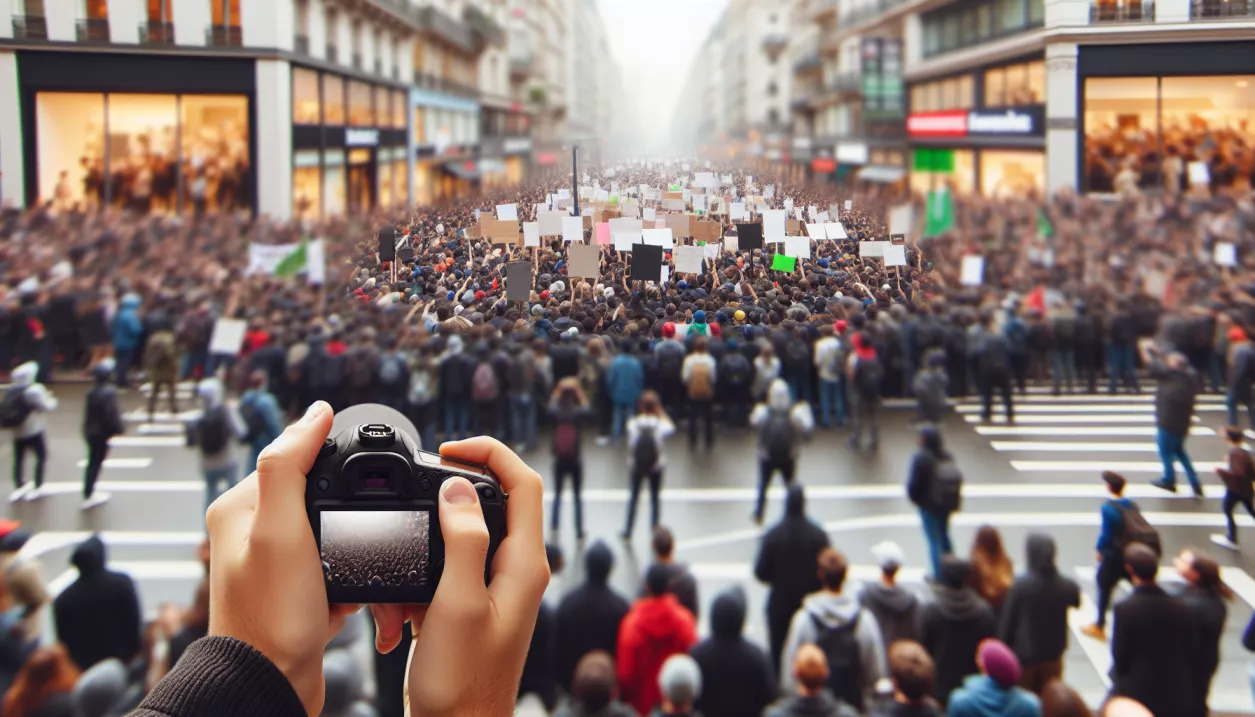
654, 42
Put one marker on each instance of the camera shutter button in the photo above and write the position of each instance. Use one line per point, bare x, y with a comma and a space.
328, 448
323, 485
485, 491
425, 484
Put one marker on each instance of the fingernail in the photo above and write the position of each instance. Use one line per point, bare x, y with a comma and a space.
458, 492
314, 411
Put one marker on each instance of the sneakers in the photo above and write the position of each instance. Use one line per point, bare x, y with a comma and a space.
36, 494
1094, 631
95, 501
1224, 542
1164, 484
19, 493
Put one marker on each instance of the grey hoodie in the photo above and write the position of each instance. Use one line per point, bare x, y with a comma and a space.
896, 610
834, 610
37, 397
211, 393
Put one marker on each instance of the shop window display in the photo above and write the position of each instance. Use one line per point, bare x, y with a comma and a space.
215, 151
71, 148
1011, 174
333, 100
333, 183
306, 185
306, 103
962, 180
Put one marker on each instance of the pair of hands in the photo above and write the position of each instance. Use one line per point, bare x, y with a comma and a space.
267, 589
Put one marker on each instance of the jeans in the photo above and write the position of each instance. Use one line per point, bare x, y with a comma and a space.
36, 445
1172, 448
457, 419
1110, 573
704, 412
1001, 382
864, 409
575, 471
124, 358
1063, 368
523, 420
767, 468
1232, 402
622, 412
831, 400
937, 533
195, 363
214, 477
97, 451
655, 485
1121, 366
171, 389
1232, 501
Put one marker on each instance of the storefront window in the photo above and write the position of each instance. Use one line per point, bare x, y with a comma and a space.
142, 151
1037, 82
360, 181
306, 185
954, 93
401, 174
420, 127
398, 110
383, 112
1121, 126
333, 186
71, 148
385, 184
962, 180
1011, 174
1016, 85
333, 99
215, 152
306, 107
361, 113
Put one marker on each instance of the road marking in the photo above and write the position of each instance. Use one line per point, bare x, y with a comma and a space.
161, 429
1097, 467
148, 442
1001, 419
122, 463
1096, 651
1099, 398
1079, 408
131, 486
1081, 431
139, 415
1071, 447
138, 570
50, 540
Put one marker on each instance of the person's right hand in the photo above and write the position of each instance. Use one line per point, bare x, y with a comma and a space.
471, 642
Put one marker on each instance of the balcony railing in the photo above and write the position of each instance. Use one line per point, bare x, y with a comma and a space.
156, 33
301, 44
484, 27
224, 36
807, 63
1126, 12
846, 83
440, 84
332, 55
357, 60
521, 63
92, 29
1221, 9
30, 27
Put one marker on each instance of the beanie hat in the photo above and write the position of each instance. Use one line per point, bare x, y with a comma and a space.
479, 296
668, 330
739, 316
1000, 663
1236, 334
840, 326
699, 317
544, 295
538, 310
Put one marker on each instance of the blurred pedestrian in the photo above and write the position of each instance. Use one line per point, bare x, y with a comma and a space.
646, 431
811, 698
595, 689
781, 426
953, 625
1239, 482
1204, 596
895, 608
992, 572
1059, 700
995, 691
682, 584
935, 486
737, 677
655, 628
568, 408
43, 686
680, 683
98, 615
1035, 615
589, 616
263, 421
1175, 394
22, 410
214, 434
102, 420
865, 374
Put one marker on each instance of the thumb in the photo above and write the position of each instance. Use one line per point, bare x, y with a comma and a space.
465, 543
282, 466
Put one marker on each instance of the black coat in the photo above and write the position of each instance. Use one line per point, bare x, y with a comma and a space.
588, 617
1208, 613
787, 559
1153, 651
737, 678
951, 628
1035, 614
102, 419
1174, 398
98, 615
539, 676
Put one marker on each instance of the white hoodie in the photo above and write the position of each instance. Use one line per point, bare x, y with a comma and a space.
37, 397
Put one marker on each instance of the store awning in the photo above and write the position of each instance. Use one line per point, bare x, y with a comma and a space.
468, 171
883, 173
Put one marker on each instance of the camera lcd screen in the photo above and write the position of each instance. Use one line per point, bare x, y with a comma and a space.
374, 548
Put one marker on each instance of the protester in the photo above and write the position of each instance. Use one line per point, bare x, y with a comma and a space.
931, 387
781, 427
595, 689
934, 486
43, 686
568, 408
161, 362
214, 434
655, 628
102, 691
128, 330
1239, 481
993, 360
1154, 654
625, 382
1241, 361
681, 582
786, 563
646, 431
895, 608
954, 625
1035, 615
262, 418
992, 572
812, 698
865, 374
21, 410
589, 616
912, 672
737, 676
994, 692
849, 638
1174, 410
1204, 596
700, 376
102, 420
831, 356
26, 590
98, 615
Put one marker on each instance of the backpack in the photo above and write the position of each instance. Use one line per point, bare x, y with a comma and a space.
837, 358
102, 421
701, 382
523, 374
392, 370
160, 350
14, 408
484, 387
946, 491
254, 420
796, 353
360, 371
994, 357
845, 661
1136, 529
421, 382
1017, 336
645, 454
213, 431
868, 373
670, 362
737, 370
566, 441
778, 436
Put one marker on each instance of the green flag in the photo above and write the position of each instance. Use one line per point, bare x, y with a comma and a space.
780, 262
940, 217
1044, 227
675, 187
293, 263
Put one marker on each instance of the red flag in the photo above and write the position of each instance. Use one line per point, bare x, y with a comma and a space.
1037, 299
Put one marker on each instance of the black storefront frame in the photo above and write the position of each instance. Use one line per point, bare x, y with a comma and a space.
323, 137
127, 73
1158, 60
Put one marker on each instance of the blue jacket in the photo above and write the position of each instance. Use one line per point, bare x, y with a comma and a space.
268, 407
625, 381
1112, 525
982, 697
127, 327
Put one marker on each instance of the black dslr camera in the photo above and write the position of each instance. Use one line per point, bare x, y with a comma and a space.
372, 502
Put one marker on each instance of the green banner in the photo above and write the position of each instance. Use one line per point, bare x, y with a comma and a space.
934, 160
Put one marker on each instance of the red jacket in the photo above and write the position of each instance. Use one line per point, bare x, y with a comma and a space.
653, 630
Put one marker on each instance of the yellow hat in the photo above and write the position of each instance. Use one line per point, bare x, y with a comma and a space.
739, 315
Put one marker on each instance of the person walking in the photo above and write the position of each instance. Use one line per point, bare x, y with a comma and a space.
812, 697
214, 433
522, 389
102, 420
589, 615
1204, 596
1175, 394
700, 376
781, 427
736, 376
995, 691
953, 625
646, 432
736, 674
895, 608
1121, 349
865, 374
568, 407
1114, 536
98, 615
1239, 482
831, 356
655, 628
625, 382
263, 420
786, 564
456, 369
1035, 615
594, 689
766, 370
22, 411
931, 387
1154, 651
935, 487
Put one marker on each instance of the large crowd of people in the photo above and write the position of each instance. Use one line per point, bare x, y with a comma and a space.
1074, 291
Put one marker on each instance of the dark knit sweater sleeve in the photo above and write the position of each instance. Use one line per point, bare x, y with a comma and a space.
222, 676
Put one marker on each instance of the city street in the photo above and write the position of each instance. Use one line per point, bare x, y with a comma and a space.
1040, 474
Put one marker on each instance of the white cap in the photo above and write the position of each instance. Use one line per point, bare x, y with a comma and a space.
888, 554
840, 295
885, 287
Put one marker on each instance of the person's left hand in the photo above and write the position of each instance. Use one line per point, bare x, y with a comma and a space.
266, 580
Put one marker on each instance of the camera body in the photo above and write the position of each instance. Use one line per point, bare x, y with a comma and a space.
372, 498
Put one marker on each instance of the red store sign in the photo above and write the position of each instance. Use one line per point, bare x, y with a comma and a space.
937, 124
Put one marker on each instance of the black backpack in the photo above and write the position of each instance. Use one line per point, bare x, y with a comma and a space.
994, 359
254, 420
1136, 529
213, 432
646, 453
845, 661
868, 373
736, 370
778, 435
670, 362
796, 353
362, 366
946, 491
14, 408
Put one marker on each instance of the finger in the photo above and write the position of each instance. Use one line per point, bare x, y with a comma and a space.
282, 466
525, 518
465, 548
390, 622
